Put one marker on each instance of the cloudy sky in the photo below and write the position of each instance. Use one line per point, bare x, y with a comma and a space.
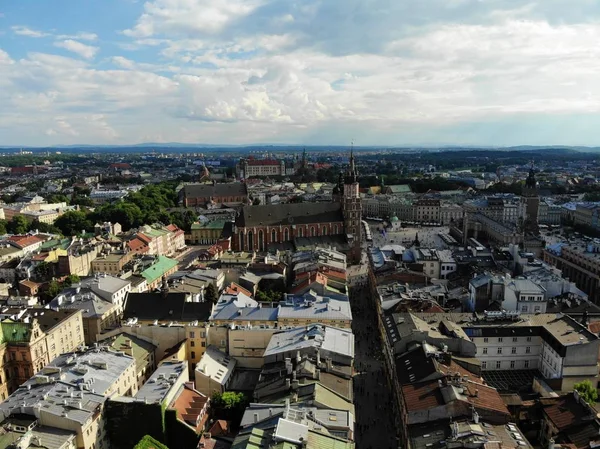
381, 72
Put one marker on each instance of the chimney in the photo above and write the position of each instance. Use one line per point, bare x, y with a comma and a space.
329, 365
475, 416
318, 358
551, 444
288, 384
317, 374
255, 418
298, 358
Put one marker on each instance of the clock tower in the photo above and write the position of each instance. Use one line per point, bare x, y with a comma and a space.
351, 206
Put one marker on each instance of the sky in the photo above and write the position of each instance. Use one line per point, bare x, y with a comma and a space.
326, 72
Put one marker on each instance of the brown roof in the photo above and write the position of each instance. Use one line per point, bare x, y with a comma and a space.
220, 427
422, 396
25, 240
426, 395
189, 405
234, 289
564, 411
594, 327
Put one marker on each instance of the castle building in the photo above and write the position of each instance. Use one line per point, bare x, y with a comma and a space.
258, 226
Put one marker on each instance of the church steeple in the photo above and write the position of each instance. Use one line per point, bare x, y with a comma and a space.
351, 174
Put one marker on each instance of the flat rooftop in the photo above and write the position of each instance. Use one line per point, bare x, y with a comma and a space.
156, 389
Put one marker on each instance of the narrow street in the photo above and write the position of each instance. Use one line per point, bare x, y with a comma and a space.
374, 428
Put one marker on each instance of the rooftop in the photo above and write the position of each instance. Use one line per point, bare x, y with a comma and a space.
94, 370
156, 389
216, 364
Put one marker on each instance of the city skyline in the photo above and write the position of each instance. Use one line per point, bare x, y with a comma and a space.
461, 72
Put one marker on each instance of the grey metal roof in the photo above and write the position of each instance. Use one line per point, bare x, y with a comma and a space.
82, 299
95, 369
328, 338
214, 190
313, 306
216, 364
59, 399
156, 389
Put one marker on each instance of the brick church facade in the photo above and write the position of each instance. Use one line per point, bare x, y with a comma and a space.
258, 226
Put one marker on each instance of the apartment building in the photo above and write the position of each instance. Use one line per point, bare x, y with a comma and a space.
70, 394
427, 211
580, 263
34, 337
558, 346
79, 258
111, 264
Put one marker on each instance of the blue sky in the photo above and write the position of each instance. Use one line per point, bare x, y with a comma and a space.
381, 72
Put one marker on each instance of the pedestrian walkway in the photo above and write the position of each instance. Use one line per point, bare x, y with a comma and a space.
375, 428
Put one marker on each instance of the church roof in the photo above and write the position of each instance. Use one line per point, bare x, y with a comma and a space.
289, 214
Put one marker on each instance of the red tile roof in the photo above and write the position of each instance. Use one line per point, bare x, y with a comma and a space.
23, 241
258, 162
172, 228
564, 411
220, 427
234, 289
136, 244
422, 396
189, 405
143, 237
594, 327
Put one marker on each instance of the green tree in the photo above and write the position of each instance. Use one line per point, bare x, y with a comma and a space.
18, 225
73, 223
70, 280
54, 288
57, 198
210, 294
42, 270
229, 406
3, 227
587, 391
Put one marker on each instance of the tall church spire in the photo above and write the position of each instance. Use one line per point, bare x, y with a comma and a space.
351, 175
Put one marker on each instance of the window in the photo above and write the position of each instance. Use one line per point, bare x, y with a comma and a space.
485, 340
483, 365
192, 343
515, 339
192, 334
485, 350
512, 363
528, 338
499, 339
498, 364
204, 344
523, 308
527, 349
526, 364
513, 350
193, 354
499, 351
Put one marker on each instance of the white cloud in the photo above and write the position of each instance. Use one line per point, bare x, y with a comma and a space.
265, 72
186, 17
82, 36
83, 50
25, 31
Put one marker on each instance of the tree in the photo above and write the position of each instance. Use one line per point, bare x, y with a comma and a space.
73, 223
57, 198
70, 280
587, 391
210, 294
42, 270
54, 288
3, 227
228, 405
18, 225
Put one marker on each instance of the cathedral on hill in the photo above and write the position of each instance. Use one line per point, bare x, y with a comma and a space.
274, 225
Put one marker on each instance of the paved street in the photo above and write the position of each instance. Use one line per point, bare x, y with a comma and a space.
189, 255
372, 396
428, 236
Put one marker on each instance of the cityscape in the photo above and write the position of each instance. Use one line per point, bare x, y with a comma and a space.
266, 224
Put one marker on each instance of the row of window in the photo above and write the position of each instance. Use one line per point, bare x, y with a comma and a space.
513, 350
512, 364
501, 339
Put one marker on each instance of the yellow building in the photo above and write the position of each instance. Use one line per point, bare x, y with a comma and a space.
37, 337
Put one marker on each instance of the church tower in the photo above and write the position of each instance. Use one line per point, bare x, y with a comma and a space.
351, 205
530, 201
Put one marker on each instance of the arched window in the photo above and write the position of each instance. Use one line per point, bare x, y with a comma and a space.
241, 241
300, 232
335, 229
261, 246
286, 234
250, 241
324, 230
312, 231
274, 235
